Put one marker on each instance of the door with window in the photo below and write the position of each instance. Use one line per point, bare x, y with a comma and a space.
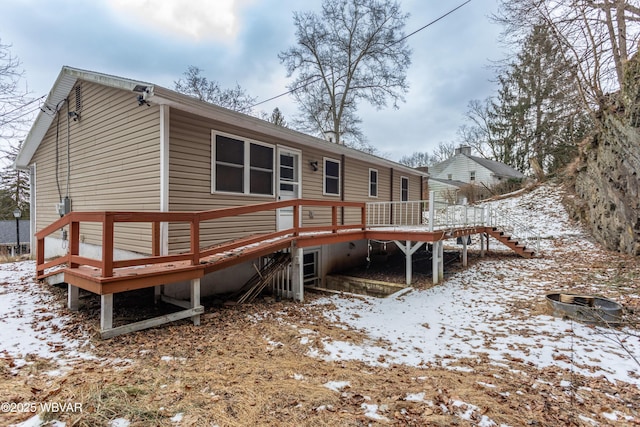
288, 184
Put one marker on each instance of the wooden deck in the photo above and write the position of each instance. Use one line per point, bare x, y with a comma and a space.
106, 276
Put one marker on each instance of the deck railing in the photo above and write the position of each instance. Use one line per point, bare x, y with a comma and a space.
396, 213
107, 264
510, 225
445, 216
427, 214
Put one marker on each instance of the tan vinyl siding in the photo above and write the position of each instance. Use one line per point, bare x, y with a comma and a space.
114, 161
190, 184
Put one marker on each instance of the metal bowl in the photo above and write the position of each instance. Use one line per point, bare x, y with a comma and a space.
585, 308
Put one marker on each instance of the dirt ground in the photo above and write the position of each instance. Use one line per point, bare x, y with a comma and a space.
245, 365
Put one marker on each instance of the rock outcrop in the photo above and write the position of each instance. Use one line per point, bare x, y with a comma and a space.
606, 177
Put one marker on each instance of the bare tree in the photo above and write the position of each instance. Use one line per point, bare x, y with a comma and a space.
417, 159
597, 36
353, 51
16, 109
195, 84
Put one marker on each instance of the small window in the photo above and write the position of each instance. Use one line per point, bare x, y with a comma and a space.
449, 177
241, 166
310, 274
472, 176
331, 177
373, 183
404, 188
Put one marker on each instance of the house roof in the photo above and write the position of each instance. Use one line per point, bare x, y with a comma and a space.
498, 168
8, 232
451, 182
156, 94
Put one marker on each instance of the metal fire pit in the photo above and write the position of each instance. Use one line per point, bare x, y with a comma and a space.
585, 308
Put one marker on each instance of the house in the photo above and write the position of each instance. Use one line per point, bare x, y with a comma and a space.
107, 143
8, 233
463, 172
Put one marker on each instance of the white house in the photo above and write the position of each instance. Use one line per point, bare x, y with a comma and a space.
449, 177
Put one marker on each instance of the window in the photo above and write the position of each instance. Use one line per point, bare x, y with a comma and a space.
449, 177
404, 188
373, 183
472, 176
310, 274
241, 166
331, 177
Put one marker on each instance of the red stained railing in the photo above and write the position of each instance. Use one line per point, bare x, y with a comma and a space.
108, 220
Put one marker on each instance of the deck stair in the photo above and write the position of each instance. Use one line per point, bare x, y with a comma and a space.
262, 278
511, 242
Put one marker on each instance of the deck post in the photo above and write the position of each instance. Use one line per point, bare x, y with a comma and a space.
437, 257
195, 299
408, 252
441, 260
73, 297
464, 250
106, 312
482, 245
432, 209
408, 263
297, 272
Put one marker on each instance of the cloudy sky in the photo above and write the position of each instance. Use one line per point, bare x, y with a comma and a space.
237, 41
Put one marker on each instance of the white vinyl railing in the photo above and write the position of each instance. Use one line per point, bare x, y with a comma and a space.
381, 214
507, 223
444, 216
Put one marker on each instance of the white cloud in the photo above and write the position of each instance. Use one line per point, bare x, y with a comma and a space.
195, 19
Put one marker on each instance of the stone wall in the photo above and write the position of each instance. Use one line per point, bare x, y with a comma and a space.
606, 178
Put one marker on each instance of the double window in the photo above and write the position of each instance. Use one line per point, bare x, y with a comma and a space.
331, 177
241, 166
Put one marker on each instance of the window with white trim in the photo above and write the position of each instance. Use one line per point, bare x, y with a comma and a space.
472, 176
373, 183
241, 166
331, 186
404, 189
310, 270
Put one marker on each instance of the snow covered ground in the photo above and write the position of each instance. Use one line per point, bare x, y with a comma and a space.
481, 310
490, 310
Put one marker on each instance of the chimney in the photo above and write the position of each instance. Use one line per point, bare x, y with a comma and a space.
331, 136
463, 149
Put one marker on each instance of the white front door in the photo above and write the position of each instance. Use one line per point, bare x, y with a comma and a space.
288, 184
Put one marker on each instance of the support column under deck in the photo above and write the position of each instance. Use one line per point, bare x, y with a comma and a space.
106, 311
73, 297
195, 300
297, 272
408, 251
437, 257
464, 250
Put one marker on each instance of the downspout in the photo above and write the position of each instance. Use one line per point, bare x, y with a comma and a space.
391, 197
342, 174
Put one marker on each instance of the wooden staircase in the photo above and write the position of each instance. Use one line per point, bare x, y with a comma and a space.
510, 242
262, 278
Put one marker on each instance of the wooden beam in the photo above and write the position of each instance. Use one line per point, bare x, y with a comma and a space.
107, 245
74, 242
150, 323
